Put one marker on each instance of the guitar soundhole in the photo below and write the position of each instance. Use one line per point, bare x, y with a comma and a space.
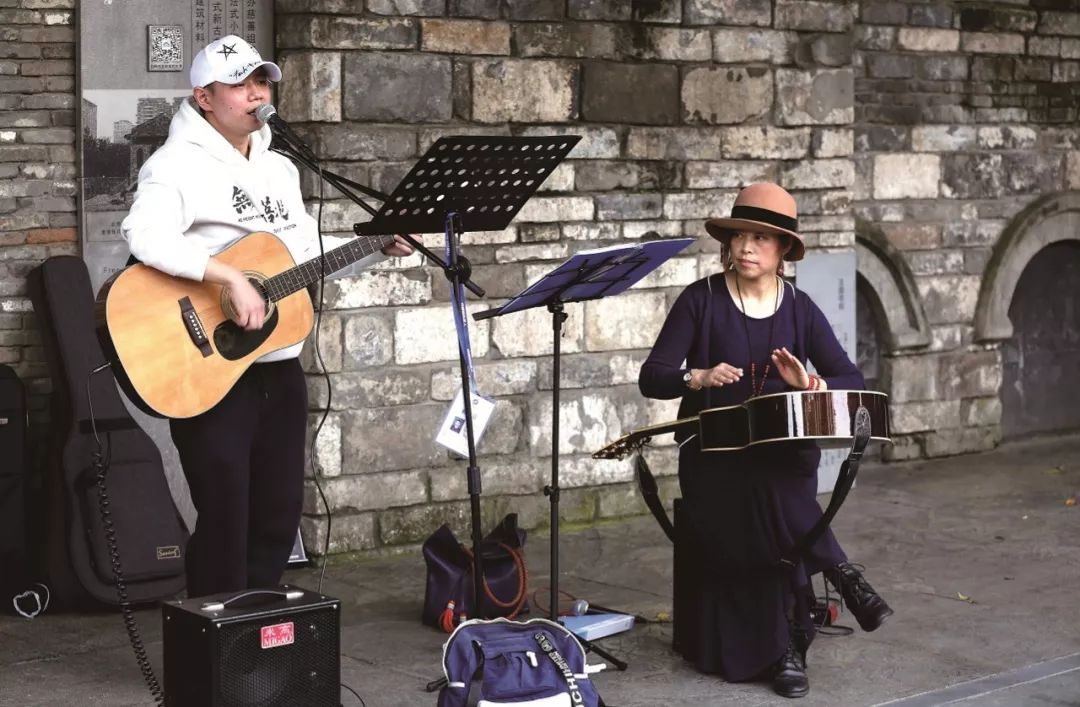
258, 281
233, 342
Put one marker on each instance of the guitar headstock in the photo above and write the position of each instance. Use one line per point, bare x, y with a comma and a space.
624, 446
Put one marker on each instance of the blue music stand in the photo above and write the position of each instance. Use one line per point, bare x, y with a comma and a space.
592, 274
588, 275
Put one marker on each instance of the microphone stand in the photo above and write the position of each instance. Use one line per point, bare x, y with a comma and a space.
458, 270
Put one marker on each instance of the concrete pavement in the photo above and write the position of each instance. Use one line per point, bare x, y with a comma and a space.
979, 555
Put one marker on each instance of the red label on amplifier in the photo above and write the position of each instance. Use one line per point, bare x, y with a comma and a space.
277, 635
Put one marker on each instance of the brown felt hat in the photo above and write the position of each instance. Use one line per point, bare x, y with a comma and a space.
761, 207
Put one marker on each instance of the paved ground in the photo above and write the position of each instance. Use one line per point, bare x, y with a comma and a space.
993, 528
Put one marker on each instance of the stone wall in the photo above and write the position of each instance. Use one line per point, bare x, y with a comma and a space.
679, 104
965, 117
936, 139
37, 172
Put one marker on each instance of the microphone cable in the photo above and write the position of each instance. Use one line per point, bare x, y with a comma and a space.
329, 392
100, 461
282, 145
326, 377
362, 703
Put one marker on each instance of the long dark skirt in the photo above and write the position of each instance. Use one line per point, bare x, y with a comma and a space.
746, 509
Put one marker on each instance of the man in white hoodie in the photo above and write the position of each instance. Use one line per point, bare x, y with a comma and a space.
211, 183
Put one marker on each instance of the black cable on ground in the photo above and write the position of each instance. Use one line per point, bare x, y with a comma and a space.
355, 693
100, 461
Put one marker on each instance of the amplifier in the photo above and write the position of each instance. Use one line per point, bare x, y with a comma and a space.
273, 648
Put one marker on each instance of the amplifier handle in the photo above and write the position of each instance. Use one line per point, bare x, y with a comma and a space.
287, 594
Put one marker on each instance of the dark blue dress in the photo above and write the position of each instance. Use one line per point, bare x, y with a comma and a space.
747, 507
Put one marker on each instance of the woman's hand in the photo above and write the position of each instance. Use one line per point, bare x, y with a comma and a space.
791, 369
716, 376
401, 247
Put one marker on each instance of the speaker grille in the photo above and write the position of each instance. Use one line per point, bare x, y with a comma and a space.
304, 673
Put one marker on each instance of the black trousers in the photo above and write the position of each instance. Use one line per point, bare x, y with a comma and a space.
244, 463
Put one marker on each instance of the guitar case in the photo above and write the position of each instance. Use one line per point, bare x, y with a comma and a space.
148, 532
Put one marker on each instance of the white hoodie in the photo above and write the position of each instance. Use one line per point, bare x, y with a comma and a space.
198, 194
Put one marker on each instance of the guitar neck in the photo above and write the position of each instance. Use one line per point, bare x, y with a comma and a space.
297, 278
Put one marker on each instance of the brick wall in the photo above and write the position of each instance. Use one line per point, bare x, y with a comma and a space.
37, 171
965, 115
680, 104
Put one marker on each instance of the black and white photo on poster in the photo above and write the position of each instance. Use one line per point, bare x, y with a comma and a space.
120, 130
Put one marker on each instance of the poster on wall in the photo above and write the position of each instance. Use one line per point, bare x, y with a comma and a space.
133, 70
130, 91
829, 279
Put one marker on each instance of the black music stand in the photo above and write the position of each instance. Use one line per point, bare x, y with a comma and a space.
478, 184
588, 275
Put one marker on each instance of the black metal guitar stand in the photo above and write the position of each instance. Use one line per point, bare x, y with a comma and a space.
586, 276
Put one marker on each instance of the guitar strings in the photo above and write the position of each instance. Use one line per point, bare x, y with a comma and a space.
296, 278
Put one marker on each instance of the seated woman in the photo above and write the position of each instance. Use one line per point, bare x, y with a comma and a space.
735, 335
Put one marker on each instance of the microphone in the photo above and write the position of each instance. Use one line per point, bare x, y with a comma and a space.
266, 113
580, 607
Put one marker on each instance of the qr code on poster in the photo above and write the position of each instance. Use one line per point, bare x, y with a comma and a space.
166, 48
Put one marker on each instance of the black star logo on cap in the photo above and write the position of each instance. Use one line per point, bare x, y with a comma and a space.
227, 49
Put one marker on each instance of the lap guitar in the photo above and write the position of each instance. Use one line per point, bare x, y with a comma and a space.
176, 352
826, 415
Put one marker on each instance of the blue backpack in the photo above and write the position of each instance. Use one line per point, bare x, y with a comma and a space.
502, 662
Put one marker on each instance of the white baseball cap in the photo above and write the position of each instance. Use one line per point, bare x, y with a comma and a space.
229, 60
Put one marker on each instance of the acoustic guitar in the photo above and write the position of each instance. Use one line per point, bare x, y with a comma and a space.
174, 348
825, 416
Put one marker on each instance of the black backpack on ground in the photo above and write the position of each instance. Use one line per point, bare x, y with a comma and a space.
149, 533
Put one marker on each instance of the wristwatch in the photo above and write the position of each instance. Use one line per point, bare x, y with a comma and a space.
688, 379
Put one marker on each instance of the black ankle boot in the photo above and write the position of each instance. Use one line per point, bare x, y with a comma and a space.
869, 609
789, 678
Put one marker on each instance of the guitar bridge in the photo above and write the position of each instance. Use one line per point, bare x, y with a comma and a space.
195, 327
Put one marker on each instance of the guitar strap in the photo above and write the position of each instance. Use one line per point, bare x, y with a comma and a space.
650, 493
845, 480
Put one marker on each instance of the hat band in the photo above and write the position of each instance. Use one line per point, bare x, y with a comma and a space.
773, 218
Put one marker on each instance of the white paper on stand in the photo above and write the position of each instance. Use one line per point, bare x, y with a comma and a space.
453, 433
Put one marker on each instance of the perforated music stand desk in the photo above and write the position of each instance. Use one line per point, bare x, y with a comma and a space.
476, 184
588, 275
484, 180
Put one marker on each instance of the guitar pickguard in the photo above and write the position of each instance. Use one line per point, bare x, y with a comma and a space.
233, 342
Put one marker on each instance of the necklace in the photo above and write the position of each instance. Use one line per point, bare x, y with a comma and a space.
755, 386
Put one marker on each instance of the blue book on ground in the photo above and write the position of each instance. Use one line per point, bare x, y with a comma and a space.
593, 626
